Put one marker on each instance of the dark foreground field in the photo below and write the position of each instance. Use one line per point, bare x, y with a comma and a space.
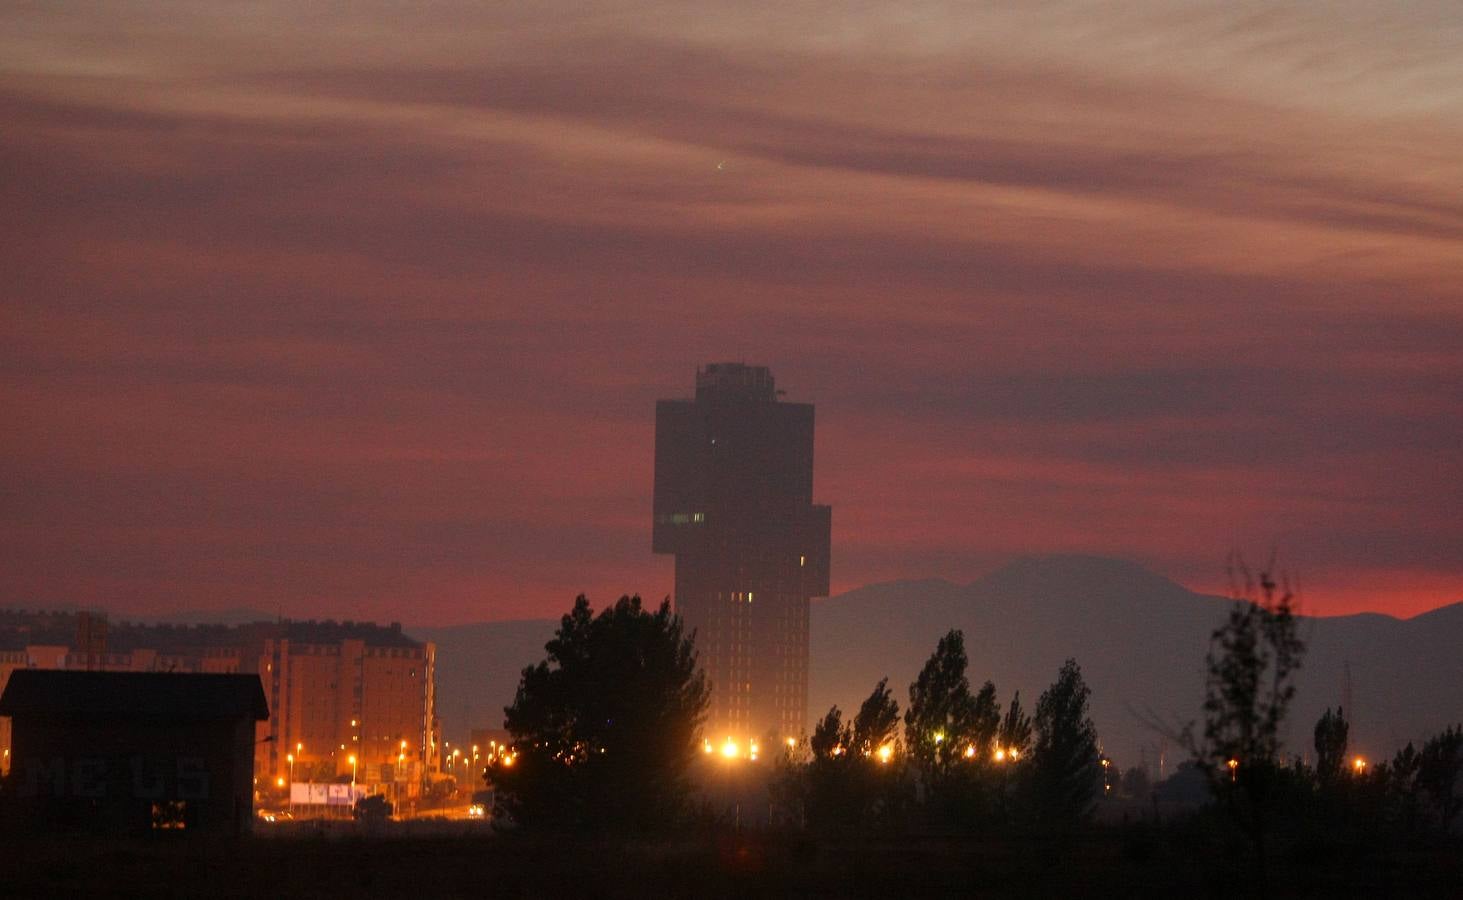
1107, 863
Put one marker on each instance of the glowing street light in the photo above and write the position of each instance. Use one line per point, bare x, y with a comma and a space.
290, 758
730, 749
706, 747
886, 752
1233, 766
792, 743
1000, 754
970, 751
1359, 765
352, 761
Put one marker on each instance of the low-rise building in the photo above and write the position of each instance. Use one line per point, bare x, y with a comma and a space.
132, 752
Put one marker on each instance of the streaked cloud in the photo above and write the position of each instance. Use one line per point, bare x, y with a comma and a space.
365, 309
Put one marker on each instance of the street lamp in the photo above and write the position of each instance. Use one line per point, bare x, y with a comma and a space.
290, 758
353, 769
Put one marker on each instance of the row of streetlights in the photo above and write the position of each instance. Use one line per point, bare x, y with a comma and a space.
731, 750
352, 759
1358, 765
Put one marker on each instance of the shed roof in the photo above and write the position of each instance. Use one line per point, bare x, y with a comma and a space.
133, 696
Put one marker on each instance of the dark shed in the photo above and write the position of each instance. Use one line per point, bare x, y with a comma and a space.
132, 751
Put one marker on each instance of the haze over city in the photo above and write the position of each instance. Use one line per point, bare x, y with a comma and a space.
363, 311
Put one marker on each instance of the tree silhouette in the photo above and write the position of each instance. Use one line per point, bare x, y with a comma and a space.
1330, 742
942, 714
830, 738
1014, 736
985, 722
1406, 805
1439, 765
1065, 770
605, 728
853, 779
877, 723
1252, 661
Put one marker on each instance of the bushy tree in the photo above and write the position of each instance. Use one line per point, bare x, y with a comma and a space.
1065, 771
373, 809
1135, 783
605, 728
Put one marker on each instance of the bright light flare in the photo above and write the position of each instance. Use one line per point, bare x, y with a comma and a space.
970, 751
886, 753
1359, 764
730, 749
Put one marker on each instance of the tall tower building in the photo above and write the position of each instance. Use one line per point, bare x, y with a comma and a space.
734, 503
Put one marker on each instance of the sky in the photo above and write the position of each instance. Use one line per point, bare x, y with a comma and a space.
361, 310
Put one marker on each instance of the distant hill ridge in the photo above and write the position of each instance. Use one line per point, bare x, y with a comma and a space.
1140, 638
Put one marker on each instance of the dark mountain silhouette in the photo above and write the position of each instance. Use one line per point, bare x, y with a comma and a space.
1141, 641
1139, 638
